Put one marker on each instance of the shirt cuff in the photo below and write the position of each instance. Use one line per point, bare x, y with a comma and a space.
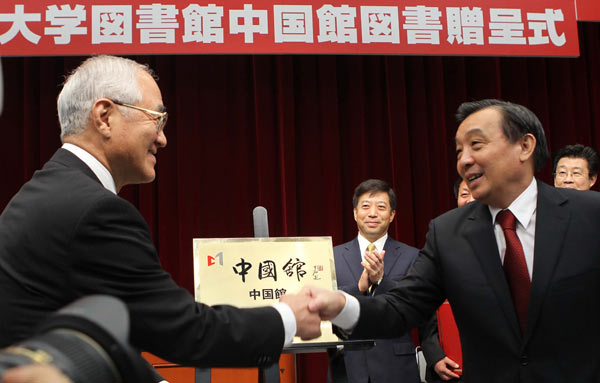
289, 322
348, 317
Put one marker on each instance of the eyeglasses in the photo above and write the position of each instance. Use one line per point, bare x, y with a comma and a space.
576, 173
159, 117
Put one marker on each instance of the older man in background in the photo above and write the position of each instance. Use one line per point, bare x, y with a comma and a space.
575, 167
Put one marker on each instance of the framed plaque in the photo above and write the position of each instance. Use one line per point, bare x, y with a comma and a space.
253, 272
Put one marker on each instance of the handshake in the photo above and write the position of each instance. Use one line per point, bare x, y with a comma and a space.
311, 306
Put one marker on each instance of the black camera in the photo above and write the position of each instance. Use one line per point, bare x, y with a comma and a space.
87, 340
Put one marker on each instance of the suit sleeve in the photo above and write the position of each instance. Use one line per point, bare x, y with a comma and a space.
112, 253
428, 332
351, 289
430, 345
411, 302
386, 285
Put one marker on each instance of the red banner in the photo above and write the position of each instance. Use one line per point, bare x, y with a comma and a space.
588, 10
464, 27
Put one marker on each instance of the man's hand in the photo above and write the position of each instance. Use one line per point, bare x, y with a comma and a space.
38, 373
326, 303
444, 368
308, 324
373, 266
363, 282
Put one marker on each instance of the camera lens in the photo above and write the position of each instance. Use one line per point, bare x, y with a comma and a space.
78, 356
88, 341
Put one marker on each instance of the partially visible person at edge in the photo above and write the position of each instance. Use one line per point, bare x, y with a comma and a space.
462, 193
575, 167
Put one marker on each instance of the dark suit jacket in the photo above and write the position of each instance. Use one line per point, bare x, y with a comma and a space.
390, 360
63, 236
460, 261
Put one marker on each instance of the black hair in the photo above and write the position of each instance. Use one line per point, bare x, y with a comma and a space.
373, 186
578, 151
517, 122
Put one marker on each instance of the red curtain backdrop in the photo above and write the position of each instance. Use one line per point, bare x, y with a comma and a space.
296, 134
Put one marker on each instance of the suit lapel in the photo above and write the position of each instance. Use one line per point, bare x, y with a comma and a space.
551, 225
480, 234
392, 254
353, 259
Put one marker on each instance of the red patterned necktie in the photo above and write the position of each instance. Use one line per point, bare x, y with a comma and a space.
515, 267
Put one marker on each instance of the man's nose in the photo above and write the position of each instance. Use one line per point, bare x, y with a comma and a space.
161, 140
464, 161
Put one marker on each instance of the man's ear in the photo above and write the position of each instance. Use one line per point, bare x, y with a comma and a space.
593, 180
102, 114
528, 143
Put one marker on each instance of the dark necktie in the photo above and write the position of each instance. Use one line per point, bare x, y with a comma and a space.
515, 267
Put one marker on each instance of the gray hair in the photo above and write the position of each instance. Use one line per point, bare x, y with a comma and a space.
97, 77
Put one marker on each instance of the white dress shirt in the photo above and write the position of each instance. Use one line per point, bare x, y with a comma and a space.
287, 315
524, 208
363, 243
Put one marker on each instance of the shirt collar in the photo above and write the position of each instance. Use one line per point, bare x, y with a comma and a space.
379, 243
523, 206
99, 170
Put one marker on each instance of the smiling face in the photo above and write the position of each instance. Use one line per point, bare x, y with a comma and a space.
373, 215
135, 139
573, 173
496, 171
